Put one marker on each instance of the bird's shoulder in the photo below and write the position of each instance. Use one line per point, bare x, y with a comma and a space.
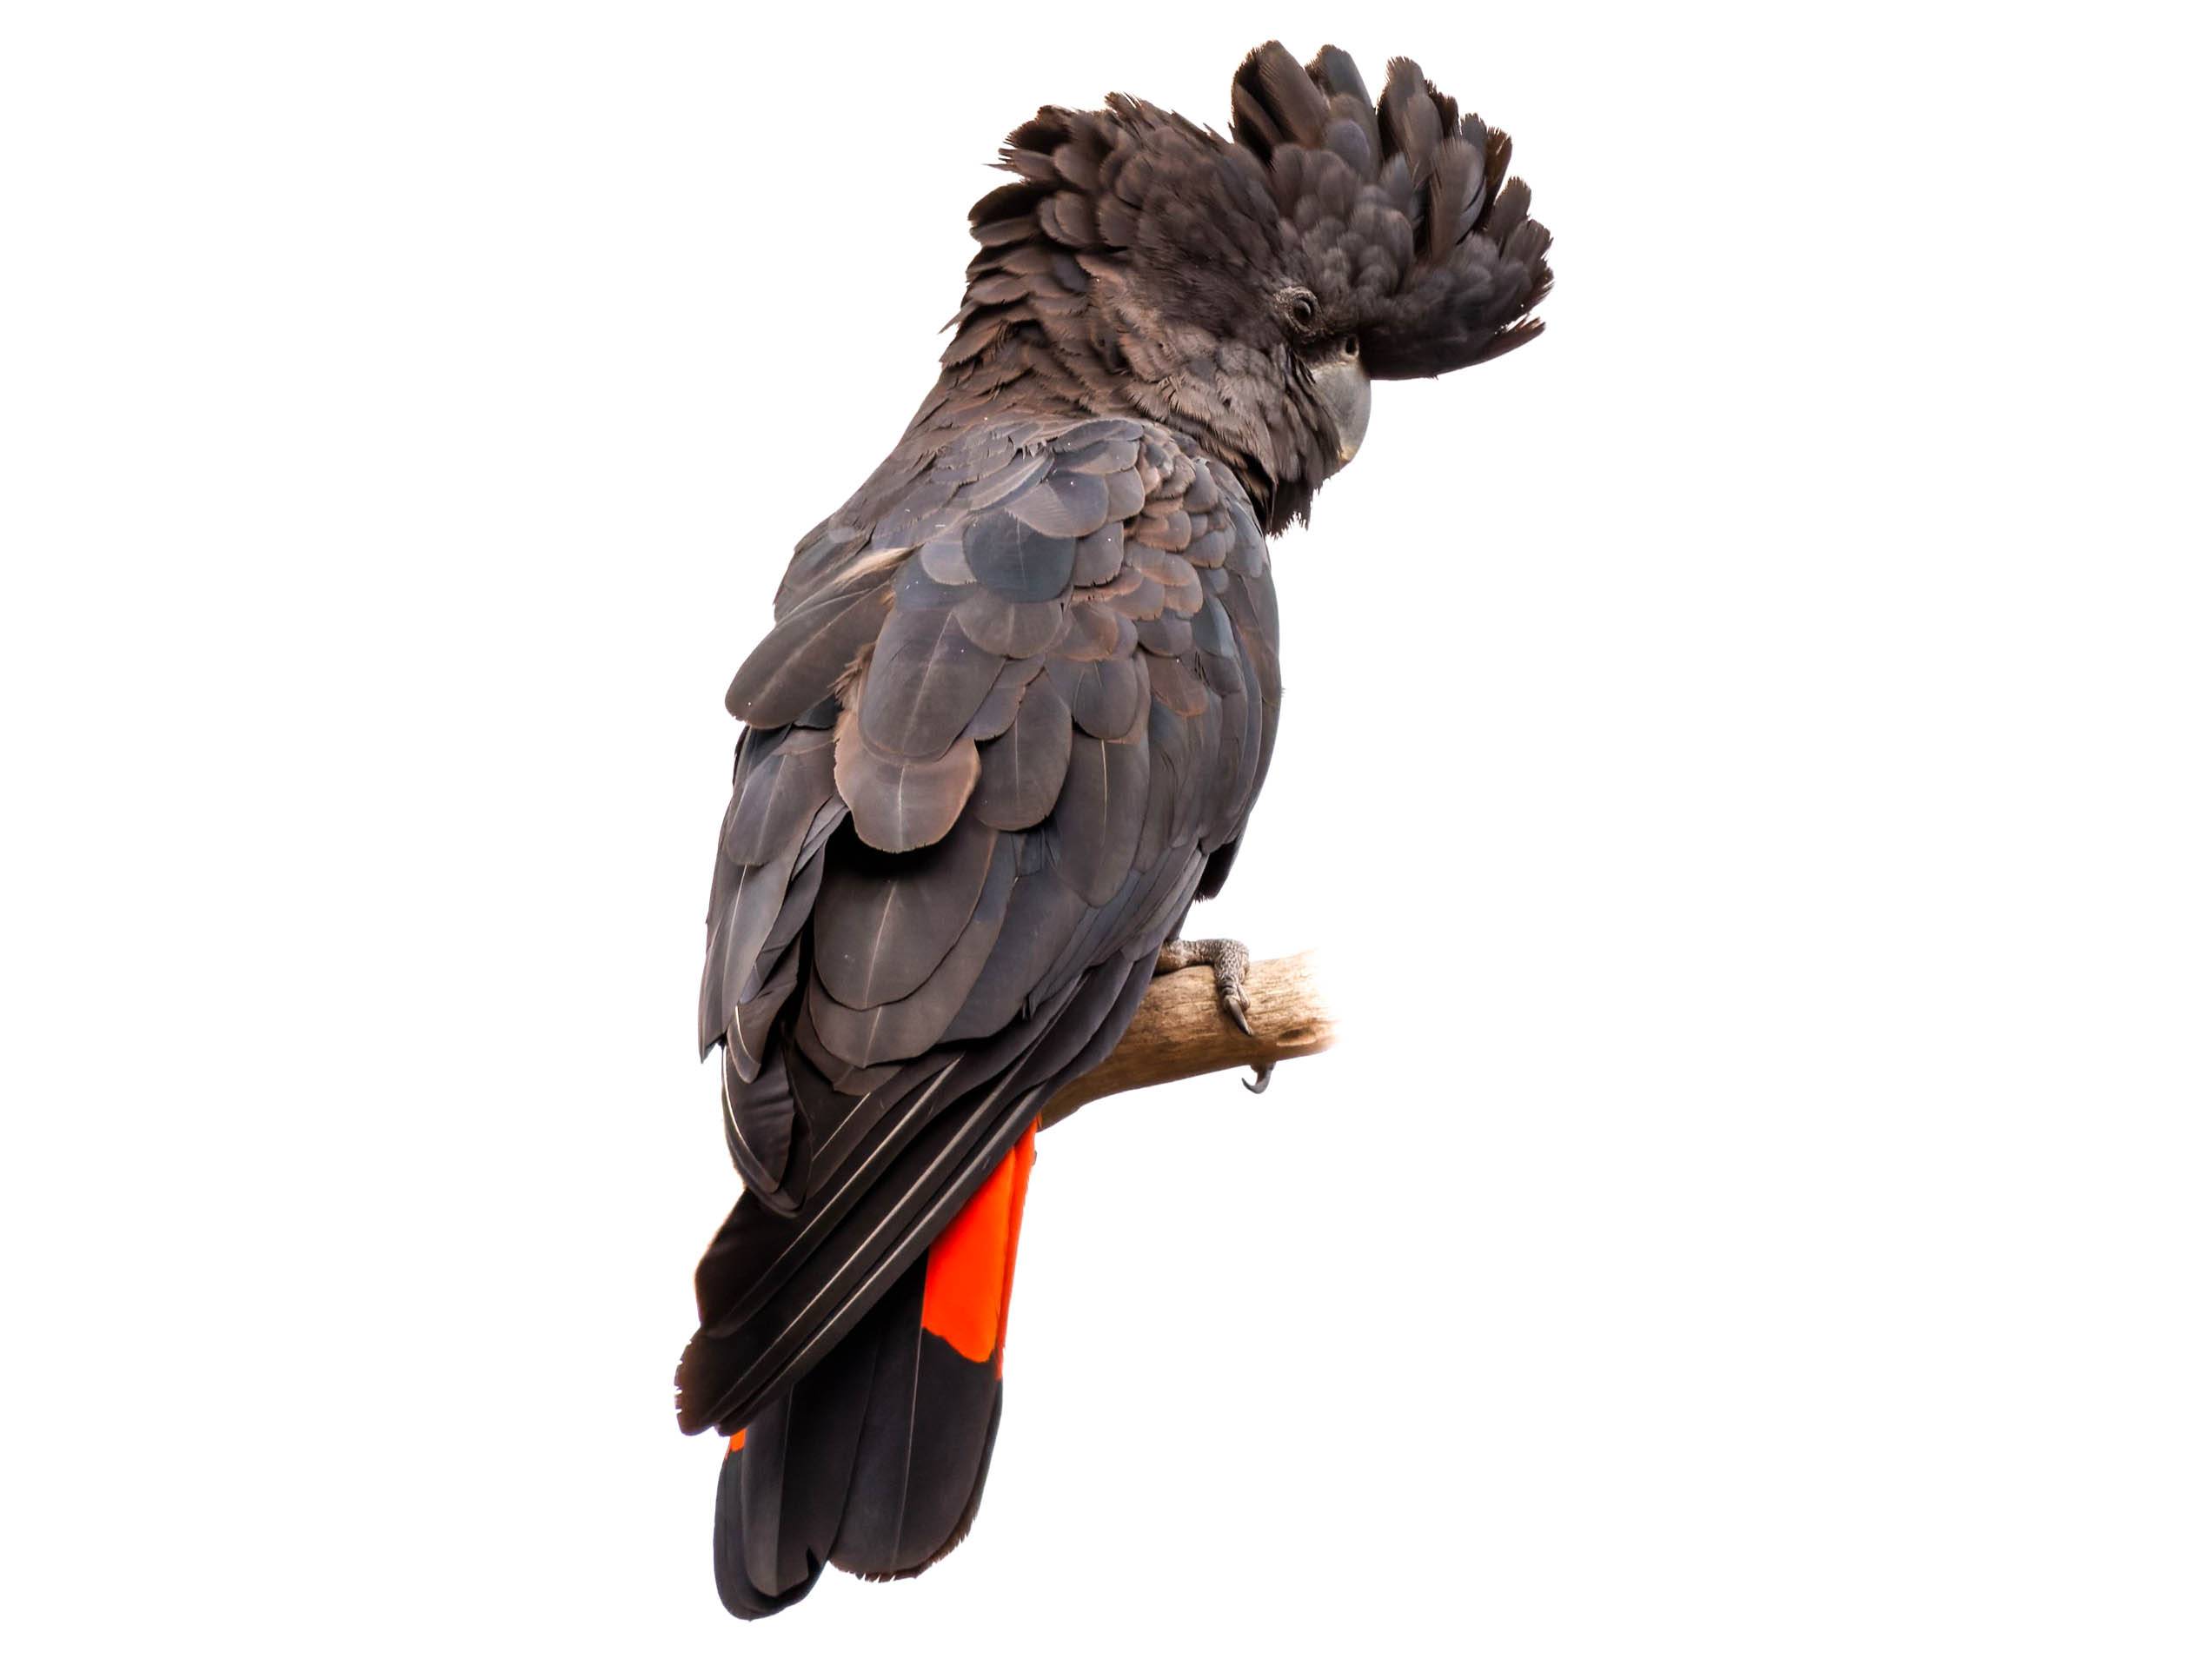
1020, 524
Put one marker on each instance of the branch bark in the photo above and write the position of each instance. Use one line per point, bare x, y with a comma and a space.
1180, 1030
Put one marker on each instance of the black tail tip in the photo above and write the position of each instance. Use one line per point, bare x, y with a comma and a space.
740, 1595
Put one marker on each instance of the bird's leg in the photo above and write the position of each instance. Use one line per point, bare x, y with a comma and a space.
1228, 958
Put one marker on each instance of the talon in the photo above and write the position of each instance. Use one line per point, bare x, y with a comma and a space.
1228, 958
1262, 1075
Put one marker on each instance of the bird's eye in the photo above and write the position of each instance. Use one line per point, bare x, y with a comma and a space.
1299, 305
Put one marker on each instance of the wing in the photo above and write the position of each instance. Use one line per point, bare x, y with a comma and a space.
996, 736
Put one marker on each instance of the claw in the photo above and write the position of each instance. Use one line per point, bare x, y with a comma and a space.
1262, 1075
1229, 960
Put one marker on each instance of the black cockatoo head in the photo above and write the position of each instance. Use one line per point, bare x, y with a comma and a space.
1249, 289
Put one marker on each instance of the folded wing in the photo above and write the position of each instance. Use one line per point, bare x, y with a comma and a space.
998, 735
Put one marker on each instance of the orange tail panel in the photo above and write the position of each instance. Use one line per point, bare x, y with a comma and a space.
970, 1283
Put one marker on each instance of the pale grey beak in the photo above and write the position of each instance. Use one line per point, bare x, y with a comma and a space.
1342, 386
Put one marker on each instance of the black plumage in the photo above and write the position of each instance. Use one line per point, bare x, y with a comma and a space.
1025, 766
884, 921
1016, 560
925, 680
799, 663
1018, 699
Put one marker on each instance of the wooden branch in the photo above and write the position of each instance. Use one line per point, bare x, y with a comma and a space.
1180, 1030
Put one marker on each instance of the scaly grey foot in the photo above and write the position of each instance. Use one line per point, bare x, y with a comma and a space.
1227, 958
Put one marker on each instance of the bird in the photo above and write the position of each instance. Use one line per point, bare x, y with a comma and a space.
1008, 726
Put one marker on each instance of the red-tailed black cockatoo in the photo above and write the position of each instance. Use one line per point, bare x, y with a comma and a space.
1009, 724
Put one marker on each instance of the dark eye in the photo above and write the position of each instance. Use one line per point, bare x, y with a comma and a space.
1299, 305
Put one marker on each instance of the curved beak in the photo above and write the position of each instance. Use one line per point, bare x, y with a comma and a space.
1343, 392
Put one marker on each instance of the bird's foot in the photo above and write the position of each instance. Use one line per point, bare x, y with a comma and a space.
1229, 960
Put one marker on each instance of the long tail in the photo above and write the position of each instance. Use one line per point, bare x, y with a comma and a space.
876, 1460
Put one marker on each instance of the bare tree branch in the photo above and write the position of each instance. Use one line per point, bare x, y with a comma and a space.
1180, 1030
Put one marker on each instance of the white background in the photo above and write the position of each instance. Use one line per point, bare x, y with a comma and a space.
1746, 759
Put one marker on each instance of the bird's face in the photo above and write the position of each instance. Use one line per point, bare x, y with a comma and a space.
1321, 355
1249, 355
1250, 289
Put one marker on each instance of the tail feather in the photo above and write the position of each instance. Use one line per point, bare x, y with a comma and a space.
783, 1484
876, 1460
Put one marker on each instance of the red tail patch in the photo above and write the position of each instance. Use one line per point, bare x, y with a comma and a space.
970, 1282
